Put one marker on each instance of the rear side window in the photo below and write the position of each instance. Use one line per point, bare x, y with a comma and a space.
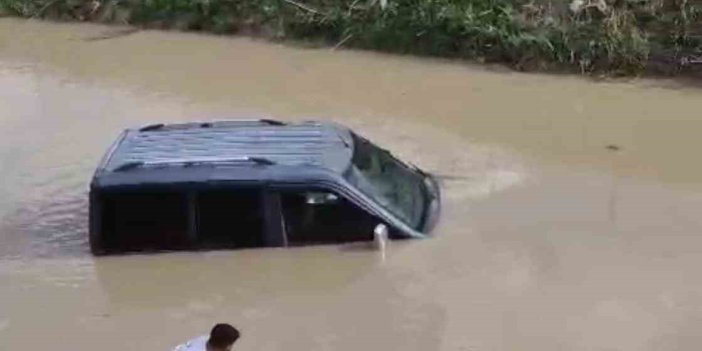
150, 220
167, 220
230, 218
324, 218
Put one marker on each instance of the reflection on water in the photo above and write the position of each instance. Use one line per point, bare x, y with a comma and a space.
548, 240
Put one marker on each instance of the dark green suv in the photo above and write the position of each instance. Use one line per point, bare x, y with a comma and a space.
263, 183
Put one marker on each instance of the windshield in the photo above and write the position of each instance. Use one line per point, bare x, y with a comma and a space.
395, 186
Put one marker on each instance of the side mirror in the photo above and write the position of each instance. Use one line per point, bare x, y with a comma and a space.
380, 236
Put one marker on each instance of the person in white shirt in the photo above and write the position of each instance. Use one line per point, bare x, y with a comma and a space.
221, 338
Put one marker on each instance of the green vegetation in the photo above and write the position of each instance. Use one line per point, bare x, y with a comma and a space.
613, 36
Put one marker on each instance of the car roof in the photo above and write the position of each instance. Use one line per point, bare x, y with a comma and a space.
239, 150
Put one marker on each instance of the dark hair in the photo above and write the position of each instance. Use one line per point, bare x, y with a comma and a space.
223, 335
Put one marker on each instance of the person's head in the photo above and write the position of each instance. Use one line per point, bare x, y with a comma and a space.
222, 337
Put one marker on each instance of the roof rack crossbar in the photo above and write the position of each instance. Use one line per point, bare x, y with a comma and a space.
272, 122
268, 121
152, 127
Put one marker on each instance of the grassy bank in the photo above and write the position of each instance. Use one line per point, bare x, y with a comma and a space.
613, 36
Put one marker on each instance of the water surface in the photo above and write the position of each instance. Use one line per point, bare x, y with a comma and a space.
548, 241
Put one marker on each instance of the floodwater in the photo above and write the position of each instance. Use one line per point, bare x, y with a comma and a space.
571, 217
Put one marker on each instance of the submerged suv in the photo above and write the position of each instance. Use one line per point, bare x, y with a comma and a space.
242, 184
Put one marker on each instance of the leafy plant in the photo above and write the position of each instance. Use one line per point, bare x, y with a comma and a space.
616, 36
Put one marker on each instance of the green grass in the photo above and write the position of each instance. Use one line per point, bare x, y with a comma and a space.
617, 37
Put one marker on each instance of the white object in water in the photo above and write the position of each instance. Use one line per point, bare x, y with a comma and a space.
380, 237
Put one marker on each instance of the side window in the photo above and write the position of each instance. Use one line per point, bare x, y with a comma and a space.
145, 220
230, 218
319, 217
163, 219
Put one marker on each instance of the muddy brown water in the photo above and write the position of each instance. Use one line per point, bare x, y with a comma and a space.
549, 239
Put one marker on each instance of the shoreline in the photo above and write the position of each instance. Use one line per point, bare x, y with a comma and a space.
609, 40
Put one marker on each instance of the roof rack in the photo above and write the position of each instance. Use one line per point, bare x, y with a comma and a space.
159, 126
272, 122
151, 127
191, 162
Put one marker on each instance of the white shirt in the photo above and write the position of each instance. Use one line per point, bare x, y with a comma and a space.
197, 344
